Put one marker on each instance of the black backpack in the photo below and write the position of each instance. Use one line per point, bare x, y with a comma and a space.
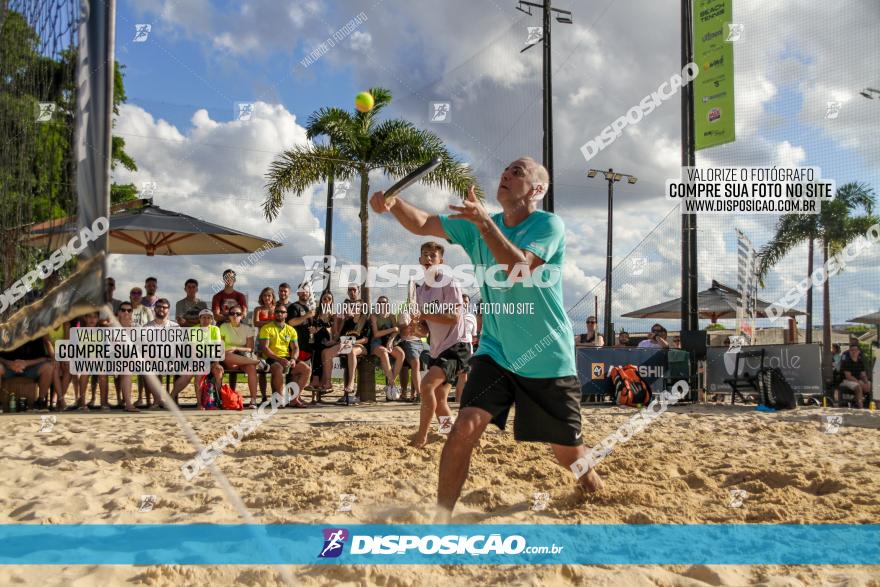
776, 393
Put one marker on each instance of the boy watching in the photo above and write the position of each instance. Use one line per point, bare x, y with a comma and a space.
440, 305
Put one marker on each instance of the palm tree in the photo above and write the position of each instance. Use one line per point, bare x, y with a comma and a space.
791, 230
358, 144
840, 228
836, 227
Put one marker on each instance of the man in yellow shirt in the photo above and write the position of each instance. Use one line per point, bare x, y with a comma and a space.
280, 348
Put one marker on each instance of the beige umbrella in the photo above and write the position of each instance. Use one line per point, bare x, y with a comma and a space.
869, 319
151, 230
717, 302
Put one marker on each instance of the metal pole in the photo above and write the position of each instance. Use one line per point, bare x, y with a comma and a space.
688, 222
689, 310
328, 233
693, 266
607, 319
548, 109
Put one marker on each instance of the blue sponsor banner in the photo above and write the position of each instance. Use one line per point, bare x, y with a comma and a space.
204, 544
594, 363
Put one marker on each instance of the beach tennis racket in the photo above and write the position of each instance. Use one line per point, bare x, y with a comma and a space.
412, 177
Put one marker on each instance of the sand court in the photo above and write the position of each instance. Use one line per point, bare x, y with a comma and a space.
695, 464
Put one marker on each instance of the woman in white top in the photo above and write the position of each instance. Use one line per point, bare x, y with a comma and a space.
238, 342
140, 314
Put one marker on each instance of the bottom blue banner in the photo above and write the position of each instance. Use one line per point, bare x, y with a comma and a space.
204, 544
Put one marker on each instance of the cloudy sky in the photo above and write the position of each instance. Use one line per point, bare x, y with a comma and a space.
201, 58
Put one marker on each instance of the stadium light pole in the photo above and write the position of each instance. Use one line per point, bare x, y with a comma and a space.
611, 177
564, 17
689, 271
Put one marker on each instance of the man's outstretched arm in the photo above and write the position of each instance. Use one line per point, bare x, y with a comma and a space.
413, 219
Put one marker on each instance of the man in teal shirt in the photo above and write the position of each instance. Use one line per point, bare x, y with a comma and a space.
525, 358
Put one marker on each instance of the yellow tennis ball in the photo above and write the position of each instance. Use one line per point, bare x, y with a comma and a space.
364, 102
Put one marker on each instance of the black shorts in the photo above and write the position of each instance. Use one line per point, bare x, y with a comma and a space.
452, 361
270, 361
547, 409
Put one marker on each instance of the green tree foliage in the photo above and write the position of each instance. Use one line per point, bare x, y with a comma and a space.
37, 159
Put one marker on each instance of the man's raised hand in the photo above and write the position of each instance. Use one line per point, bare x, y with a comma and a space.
471, 209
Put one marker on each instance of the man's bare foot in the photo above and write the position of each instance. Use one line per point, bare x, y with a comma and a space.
591, 482
417, 441
442, 515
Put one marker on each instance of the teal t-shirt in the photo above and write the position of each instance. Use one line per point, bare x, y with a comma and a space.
532, 335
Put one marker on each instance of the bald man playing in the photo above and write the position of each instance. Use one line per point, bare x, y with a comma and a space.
527, 359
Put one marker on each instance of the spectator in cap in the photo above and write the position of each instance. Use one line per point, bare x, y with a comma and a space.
205, 319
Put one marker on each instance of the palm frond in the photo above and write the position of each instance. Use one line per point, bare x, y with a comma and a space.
381, 99
330, 122
856, 195
296, 169
851, 230
791, 230
839, 225
399, 148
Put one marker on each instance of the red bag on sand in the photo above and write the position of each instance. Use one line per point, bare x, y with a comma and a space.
629, 388
208, 393
230, 399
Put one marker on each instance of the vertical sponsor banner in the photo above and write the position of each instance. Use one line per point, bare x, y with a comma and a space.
94, 102
746, 281
713, 88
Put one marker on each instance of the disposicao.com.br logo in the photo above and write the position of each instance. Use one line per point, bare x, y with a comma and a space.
452, 544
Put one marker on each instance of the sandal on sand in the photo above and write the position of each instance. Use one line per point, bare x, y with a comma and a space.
349, 399
133, 410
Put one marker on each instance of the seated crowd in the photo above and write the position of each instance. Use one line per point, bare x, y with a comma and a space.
284, 341
297, 340
658, 338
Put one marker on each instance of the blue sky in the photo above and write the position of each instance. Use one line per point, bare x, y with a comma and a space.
173, 77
